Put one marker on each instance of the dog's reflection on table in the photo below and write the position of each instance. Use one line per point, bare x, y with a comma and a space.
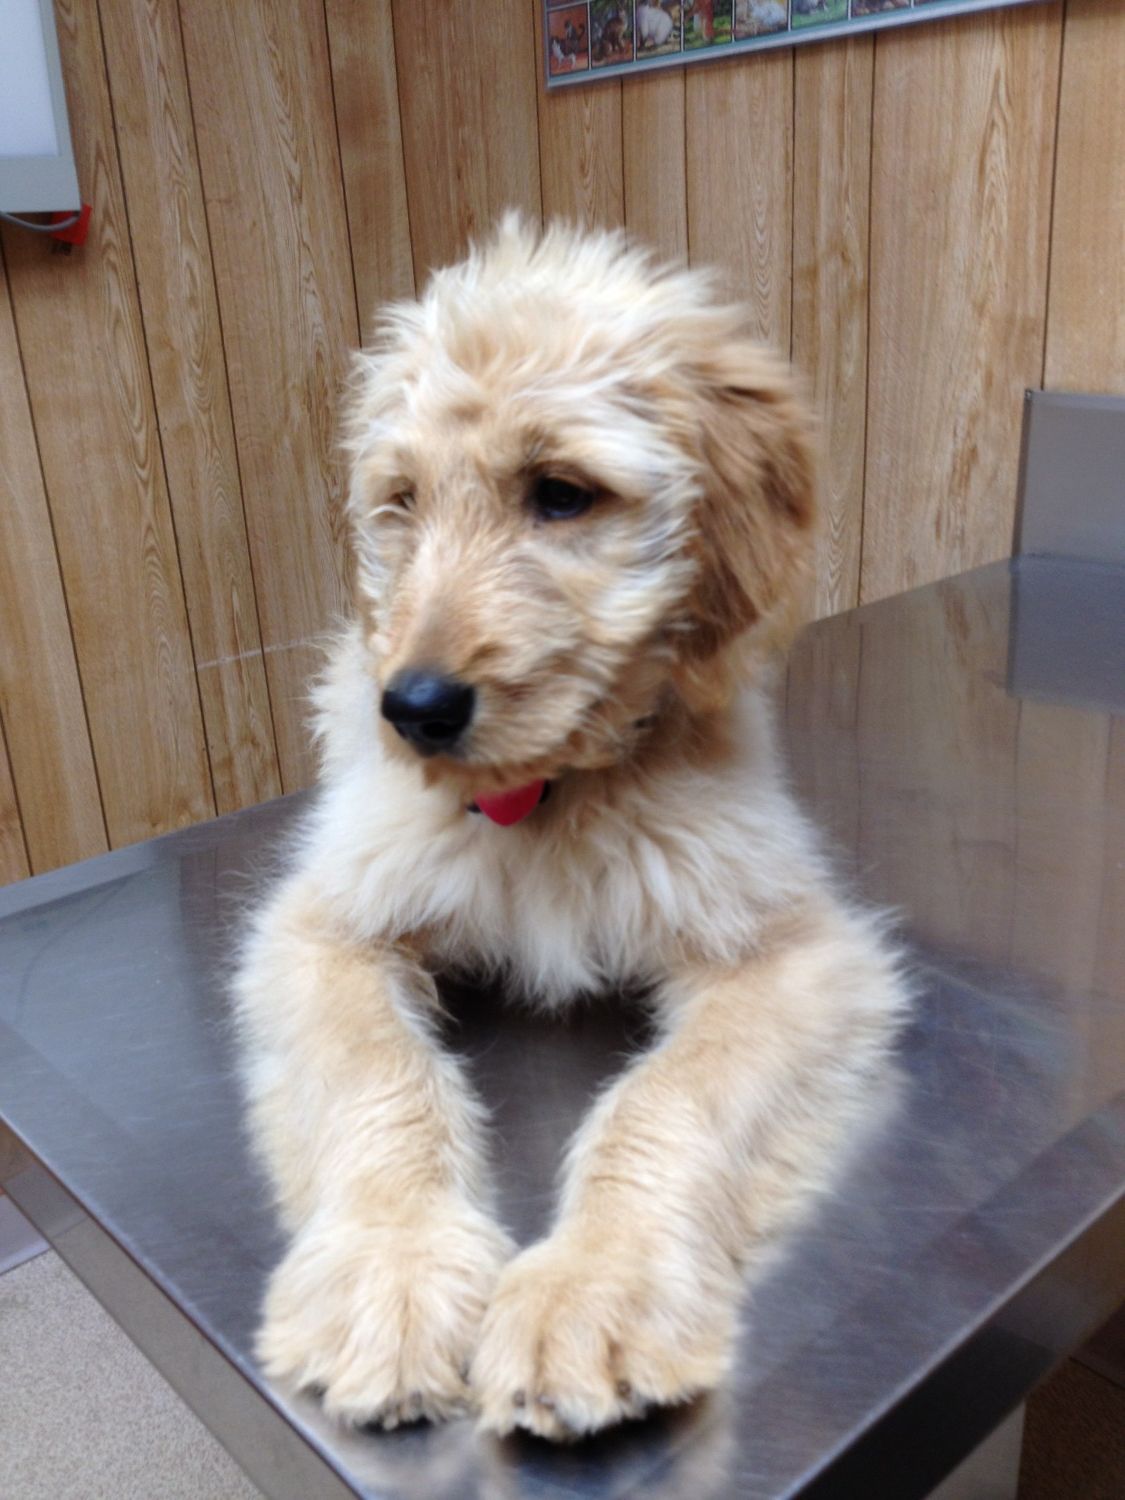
683, 1451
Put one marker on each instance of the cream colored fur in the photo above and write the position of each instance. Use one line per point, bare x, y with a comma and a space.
620, 654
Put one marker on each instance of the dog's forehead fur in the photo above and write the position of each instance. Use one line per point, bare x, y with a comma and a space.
542, 339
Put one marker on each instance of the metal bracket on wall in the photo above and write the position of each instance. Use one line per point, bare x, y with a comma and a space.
1071, 496
1070, 506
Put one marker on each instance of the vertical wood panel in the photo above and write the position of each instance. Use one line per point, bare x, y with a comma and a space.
831, 198
655, 172
467, 90
1086, 318
176, 285
365, 83
13, 855
580, 154
40, 694
740, 183
964, 121
261, 93
80, 333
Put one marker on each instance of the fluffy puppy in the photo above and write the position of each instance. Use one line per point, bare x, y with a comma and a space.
582, 506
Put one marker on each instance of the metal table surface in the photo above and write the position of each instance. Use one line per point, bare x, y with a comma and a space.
959, 744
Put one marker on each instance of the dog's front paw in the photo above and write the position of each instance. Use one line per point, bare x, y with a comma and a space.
383, 1320
576, 1340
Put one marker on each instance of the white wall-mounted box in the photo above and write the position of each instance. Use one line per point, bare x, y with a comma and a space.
36, 160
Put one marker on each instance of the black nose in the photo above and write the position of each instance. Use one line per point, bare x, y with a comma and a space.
430, 711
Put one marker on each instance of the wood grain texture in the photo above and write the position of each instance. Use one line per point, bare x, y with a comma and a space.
40, 693
964, 123
831, 199
83, 348
655, 169
261, 92
13, 853
580, 154
238, 721
740, 183
175, 279
365, 82
1086, 314
467, 90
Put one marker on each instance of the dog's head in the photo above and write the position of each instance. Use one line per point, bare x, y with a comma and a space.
578, 487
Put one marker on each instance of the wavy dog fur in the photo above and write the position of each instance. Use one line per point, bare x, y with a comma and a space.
620, 654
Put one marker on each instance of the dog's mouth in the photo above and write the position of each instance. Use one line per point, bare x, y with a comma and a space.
508, 794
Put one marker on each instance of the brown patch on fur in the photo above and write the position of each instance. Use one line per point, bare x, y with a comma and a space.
755, 519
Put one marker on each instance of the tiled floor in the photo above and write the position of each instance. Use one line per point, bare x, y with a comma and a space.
83, 1415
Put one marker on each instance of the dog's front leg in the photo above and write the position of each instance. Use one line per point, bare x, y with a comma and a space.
373, 1142
685, 1171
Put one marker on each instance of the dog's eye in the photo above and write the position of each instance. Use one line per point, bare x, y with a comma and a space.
403, 499
559, 499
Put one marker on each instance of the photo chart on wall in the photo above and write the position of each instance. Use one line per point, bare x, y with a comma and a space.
601, 38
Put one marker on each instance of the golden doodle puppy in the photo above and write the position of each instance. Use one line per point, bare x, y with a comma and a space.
582, 506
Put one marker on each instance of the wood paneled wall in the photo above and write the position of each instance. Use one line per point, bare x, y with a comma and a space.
928, 222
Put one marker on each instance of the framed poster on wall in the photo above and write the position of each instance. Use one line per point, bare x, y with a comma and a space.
605, 38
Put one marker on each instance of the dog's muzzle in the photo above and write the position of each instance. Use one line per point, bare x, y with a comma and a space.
430, 711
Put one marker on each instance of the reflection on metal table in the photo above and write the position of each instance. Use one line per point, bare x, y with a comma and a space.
964, 748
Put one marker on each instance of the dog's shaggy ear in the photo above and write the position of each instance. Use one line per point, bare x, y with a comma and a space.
756, 521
